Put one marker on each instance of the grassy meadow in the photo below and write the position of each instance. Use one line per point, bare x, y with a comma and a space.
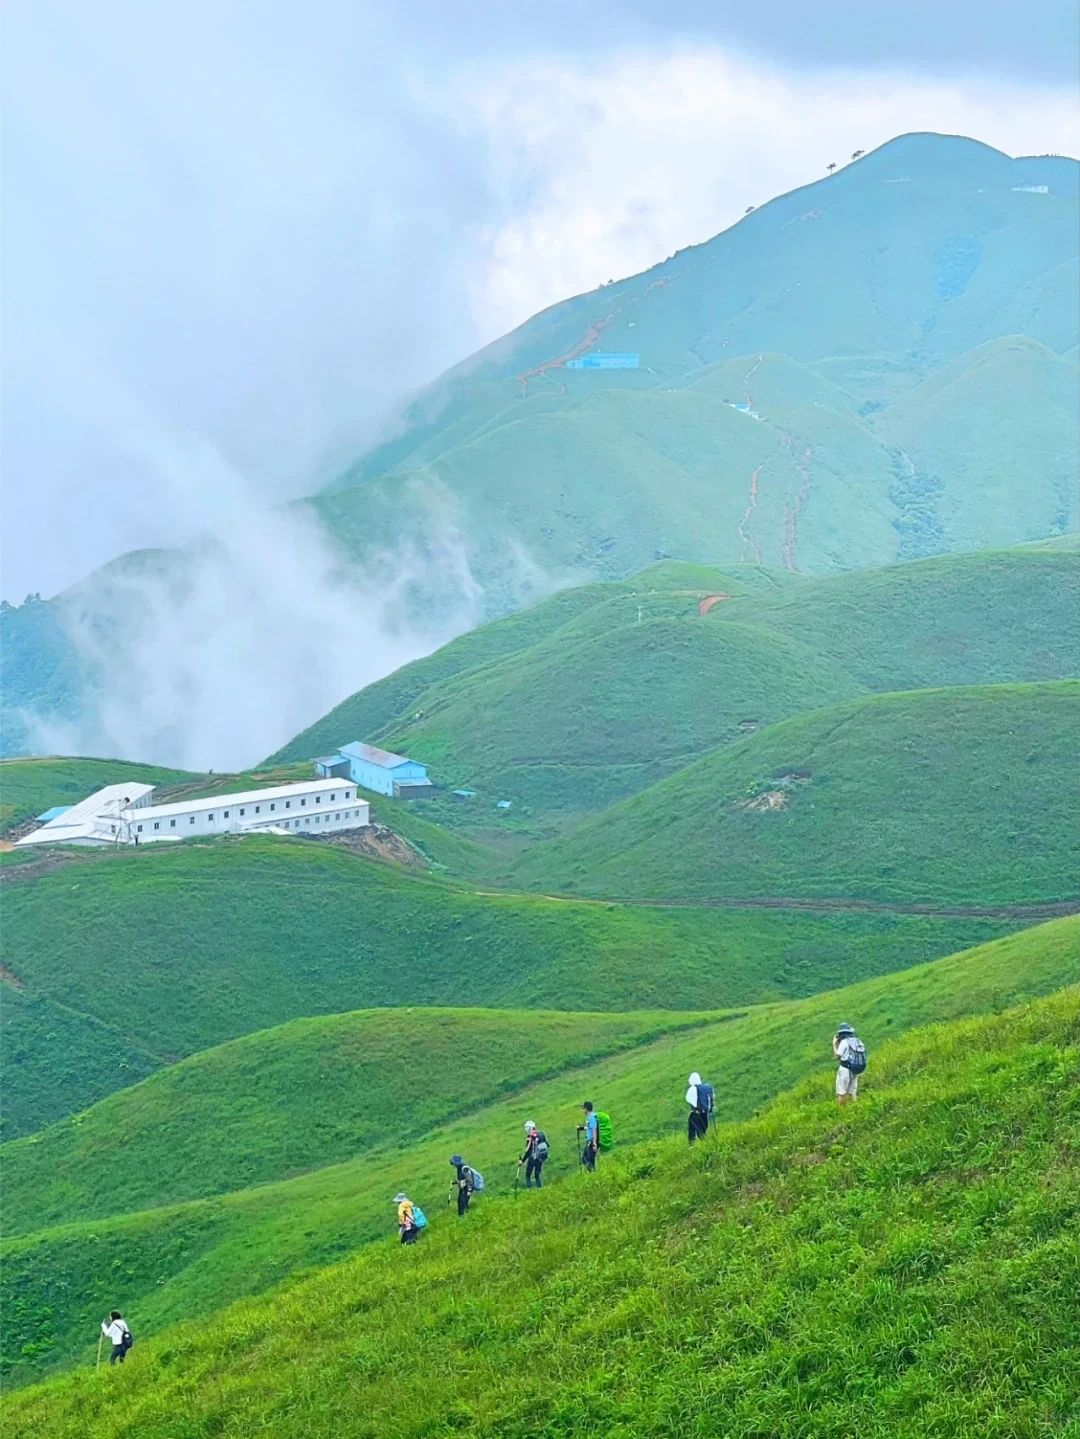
567, 708
960, 796
183, 947
905, 1266
170, 1263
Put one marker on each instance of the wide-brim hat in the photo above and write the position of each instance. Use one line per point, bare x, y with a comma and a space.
400, 1198
456, 1160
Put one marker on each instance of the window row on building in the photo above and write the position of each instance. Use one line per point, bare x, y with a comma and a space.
246, 812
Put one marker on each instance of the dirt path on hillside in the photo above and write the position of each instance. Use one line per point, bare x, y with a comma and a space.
1037, 912
32, 868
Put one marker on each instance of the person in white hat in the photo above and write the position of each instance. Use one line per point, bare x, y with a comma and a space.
536, 1152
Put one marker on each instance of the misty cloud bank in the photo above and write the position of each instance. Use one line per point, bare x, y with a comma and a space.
213, 656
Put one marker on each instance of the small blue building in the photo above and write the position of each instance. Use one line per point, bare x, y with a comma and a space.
604, 360
376, 769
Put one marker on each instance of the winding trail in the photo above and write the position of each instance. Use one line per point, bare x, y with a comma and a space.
1035, 912
793, 508
746, 539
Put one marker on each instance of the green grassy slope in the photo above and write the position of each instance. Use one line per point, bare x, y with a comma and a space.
217, 940
171, 1263
992, 618
971, 469
604, 702
285, 1100
58, 1060
391, 702
589, 717
906, 1267
957, 796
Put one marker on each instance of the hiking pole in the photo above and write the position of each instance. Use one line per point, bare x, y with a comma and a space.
99, 1339
517, 1175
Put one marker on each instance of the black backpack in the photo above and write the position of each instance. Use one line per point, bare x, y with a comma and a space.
126, 1340
856, 1060
540, 1147
705, 1098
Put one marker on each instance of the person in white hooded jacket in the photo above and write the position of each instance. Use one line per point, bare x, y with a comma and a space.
700, 1099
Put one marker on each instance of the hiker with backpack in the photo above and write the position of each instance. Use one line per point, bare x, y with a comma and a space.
598, 1133
590, 1129
851, 1052
466, 1182
410, 1218
115, 1329
536, 1152
700, 1099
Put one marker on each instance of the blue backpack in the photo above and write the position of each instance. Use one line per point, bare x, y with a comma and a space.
419, 1218
856, 1060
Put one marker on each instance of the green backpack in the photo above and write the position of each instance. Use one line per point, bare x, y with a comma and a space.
605, 1135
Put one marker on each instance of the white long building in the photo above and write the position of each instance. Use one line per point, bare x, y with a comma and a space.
125, 814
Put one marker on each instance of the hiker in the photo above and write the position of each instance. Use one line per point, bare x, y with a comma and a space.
700, 1099
851, 1052
536, 1151
464, 1182
406, 1219
115, 1329
590, 1129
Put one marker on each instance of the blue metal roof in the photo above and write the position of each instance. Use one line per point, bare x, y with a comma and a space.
54, 813
384, 758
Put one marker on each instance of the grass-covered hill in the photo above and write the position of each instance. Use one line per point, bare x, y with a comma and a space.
300, 1096
907, 1266
958, 796
171, 1263
118, 963
596, 693
855, 373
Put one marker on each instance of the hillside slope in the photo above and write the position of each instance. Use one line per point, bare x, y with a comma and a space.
302, 1095
843, 296
954, 796
189, 1259
636, 682
682, 1291
219, 939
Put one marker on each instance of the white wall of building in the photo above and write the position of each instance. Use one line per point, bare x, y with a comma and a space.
317, 806
313, 807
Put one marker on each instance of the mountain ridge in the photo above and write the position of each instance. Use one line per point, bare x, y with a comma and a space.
533, 468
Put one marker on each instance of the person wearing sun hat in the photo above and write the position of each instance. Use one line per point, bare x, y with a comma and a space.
406, 1219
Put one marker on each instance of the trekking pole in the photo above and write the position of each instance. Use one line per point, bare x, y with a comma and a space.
99, 1339
517, 1175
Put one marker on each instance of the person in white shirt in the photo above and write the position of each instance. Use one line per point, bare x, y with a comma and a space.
700, 1099
851, 1053
116, 1331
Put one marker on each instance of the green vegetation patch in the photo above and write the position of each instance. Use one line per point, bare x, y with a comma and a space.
183, 947
907, 1266
173, 1263
963, 796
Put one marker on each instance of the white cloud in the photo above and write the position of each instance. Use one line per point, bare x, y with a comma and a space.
606, 169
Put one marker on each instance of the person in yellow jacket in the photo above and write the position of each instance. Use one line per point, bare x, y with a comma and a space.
406, 1219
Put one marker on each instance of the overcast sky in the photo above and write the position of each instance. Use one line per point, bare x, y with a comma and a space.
257, 224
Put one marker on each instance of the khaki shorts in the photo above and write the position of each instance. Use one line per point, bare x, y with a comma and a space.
846, 1082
